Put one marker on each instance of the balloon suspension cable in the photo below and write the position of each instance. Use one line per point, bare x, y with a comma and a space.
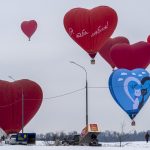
29, 39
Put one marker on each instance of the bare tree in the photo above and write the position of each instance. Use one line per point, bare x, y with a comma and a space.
121, 134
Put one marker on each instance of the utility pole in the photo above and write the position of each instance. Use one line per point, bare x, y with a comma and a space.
86, 87
22, 106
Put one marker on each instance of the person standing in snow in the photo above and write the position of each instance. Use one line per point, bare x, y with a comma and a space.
147, 137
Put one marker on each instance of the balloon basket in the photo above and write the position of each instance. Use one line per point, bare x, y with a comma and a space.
133, 123
113, 69
92, 61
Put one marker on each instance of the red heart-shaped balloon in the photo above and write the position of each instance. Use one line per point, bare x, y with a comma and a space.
106, 49
90, 28
11, 96
29, 27
148, 39
131, 56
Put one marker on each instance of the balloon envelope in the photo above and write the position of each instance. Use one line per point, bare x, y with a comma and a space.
106, 49
11, 96
92, 55
131, 56
130, 89
29, 27
90, 28
148, 39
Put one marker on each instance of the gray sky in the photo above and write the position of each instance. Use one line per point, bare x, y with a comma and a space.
45, 60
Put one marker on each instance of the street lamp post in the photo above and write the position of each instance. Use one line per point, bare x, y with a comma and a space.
86, 87
22, 107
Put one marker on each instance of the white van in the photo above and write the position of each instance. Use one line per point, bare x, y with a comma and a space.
11, 139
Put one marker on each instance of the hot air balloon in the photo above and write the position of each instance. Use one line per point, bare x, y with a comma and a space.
130, 89
148, 39
12, 96
29, 27
90, 28
131, 56
106, 49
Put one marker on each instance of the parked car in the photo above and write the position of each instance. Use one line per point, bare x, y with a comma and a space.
26, 138
21, 138
11, 139
74, 140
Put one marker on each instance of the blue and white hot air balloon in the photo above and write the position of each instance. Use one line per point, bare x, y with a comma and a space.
130, 89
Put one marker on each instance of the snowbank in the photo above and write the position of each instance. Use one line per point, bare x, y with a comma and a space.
105, 146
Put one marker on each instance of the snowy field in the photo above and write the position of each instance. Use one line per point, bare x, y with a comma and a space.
105, 146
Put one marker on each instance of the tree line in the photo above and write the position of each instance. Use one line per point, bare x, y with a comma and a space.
107, 136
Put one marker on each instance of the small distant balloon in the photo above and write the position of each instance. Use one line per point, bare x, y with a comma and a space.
29, 27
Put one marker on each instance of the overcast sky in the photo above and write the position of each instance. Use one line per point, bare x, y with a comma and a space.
45, 60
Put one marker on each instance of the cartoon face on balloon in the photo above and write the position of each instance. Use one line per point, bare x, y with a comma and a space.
130, 89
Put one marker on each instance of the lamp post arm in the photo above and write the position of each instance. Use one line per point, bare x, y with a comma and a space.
80, 67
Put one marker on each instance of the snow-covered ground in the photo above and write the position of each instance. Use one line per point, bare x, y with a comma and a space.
105, 146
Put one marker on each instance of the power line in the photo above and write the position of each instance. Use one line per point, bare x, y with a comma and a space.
104, 87
26, 99
61, 95
100, 87
65, 94
10, 104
